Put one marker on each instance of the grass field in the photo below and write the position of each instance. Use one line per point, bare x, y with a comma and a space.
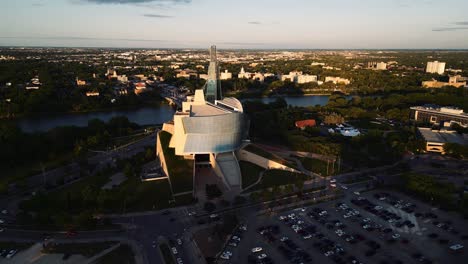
180, 170
263, 153
317, 166
250, 173
273, 178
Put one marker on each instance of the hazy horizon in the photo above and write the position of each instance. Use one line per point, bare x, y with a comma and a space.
243, 24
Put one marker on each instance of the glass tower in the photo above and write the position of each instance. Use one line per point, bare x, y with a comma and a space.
213, 84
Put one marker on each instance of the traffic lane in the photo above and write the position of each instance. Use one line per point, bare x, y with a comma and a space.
147, 228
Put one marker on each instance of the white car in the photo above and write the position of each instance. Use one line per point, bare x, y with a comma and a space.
256, 249
4, 212
309, 236
284, 239
282, 217
262, 256
174, 251
396, 236
224, 256
232, 244
213, 216
332, 181
243, 227
329, 253
357, 193
179, 261
1, 221
236, 238
344, 187
179, 241
333, 185
11, 253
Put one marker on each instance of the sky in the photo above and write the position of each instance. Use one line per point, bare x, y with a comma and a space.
246, 24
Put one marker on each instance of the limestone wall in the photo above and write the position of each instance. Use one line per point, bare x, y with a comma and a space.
160, 154
261, 161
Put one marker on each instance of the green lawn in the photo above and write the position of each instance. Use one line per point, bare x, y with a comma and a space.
263, 153
250, 173
317, 166
180, 170
273, 178
122, 255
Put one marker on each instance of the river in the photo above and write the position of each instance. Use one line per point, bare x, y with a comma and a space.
142, 116
301, 101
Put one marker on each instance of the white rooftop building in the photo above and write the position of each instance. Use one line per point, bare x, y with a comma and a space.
435, 67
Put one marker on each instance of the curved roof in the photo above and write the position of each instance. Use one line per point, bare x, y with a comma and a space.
233, 102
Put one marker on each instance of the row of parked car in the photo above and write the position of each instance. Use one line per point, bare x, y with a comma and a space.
234, 241
8, 253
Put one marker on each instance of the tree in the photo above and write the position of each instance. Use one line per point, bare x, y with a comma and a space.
299, 183
456, 150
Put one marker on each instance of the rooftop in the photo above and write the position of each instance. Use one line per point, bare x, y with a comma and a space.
443, 136
445, 109
206, 110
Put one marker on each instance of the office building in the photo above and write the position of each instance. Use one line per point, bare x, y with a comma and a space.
337, 80
306, 78
436, 139
379, 66
435, 67
436, 115
225, 75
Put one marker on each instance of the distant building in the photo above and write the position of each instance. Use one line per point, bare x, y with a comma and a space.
225, 75
122, 78
80, 82
435, 67
92, 94
454, 81
306, 78
111, 73
34, 84
436, 115
292, 76
380, 66
243, 74
186, 74
140, 87
337, 80
436, 139
254, 76
258, 77
314, 63
302, 124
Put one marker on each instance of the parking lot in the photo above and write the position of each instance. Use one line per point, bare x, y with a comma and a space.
371, 227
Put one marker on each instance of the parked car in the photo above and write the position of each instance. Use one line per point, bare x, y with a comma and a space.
256, 249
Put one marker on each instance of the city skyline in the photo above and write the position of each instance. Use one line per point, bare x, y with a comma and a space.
296, 24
